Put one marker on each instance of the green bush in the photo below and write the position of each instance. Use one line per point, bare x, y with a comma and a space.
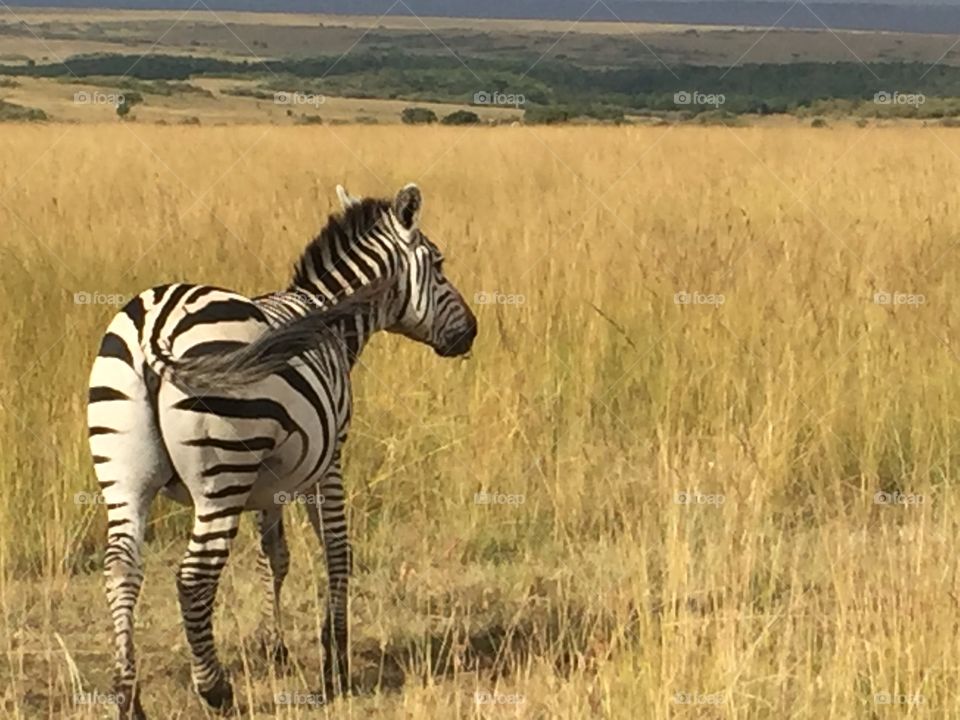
126, 105
461, 117
418, 116
539, 115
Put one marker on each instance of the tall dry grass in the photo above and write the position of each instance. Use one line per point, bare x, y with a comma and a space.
783, 590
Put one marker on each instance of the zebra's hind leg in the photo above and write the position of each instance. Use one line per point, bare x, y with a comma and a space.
327, 515
123, 570
215, 525
273, 562
132, 464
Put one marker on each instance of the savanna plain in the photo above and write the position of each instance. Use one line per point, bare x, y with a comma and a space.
701, 463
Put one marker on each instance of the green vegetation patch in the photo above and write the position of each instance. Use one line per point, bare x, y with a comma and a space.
12, 112
554, 90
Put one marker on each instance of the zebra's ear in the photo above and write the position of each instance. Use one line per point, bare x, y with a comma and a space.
407, 206
346, 200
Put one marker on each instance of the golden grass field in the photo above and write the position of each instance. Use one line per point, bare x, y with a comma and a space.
786, 589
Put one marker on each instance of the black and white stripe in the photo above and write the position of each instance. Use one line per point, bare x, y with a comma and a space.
230, 403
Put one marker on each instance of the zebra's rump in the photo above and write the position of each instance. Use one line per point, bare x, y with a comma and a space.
283, 427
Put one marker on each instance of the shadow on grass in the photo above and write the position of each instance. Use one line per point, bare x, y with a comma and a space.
495, 651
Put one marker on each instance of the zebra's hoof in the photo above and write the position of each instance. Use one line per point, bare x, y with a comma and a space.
219, 696
128, 704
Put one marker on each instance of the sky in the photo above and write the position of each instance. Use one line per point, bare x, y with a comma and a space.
276, 4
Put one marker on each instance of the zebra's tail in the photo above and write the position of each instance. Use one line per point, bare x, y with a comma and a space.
270, 353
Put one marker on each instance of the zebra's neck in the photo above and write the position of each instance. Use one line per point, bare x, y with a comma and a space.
354, 331
354, 251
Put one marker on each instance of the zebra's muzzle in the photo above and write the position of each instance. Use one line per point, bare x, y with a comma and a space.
459, 343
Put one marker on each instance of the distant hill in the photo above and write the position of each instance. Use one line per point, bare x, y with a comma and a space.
936, 16
925, 16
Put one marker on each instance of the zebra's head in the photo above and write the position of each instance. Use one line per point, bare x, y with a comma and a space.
421, 303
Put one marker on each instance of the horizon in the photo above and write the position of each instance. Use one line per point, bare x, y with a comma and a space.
912, 16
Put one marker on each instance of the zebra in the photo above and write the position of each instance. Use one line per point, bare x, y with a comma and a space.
229, 403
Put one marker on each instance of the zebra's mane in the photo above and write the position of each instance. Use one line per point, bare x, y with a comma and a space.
342, 229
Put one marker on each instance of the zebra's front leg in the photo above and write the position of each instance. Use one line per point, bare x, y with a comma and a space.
327, 515
273, 562
215, 525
